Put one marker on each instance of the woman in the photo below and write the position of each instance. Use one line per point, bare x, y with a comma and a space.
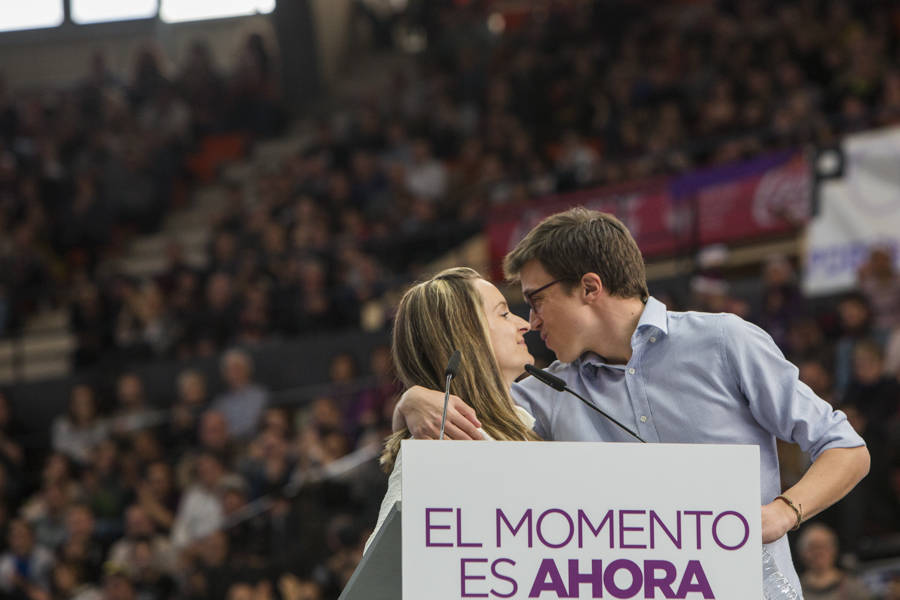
77, 432
823, 580
458, 310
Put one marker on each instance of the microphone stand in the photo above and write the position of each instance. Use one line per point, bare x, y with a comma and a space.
559, 385
452, 368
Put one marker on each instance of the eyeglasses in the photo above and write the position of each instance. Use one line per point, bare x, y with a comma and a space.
535, 305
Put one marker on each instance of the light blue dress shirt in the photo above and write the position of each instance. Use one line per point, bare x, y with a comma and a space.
693, 378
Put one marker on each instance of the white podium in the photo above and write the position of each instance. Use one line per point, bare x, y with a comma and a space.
570, 520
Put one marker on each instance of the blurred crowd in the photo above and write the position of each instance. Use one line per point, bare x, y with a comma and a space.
217, 491
495, 111
199, 495
85, 167
847, 350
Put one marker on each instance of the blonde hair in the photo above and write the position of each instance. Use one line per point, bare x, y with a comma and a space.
434, 318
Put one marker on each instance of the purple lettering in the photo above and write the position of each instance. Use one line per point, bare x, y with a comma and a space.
595, 578
548, 579
716, 533
663, 583
498, 575
623, 529
676, 539
514, 530
609, 578
699, 514
429, 527
568, 520
694, 571
583, 518
463, 577
459, 541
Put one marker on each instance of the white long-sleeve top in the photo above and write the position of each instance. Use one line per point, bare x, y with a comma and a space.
395, 490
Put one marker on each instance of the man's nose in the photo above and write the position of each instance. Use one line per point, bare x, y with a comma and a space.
534, 320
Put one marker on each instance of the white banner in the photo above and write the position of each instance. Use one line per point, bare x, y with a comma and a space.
580, 520
857, 212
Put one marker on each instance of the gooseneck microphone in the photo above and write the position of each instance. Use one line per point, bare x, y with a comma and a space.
450, 372
560, 386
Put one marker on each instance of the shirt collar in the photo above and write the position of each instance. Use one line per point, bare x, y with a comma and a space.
654, 319
654, 316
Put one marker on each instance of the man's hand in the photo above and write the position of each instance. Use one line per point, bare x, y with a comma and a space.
828, 479
777, 519
420, 410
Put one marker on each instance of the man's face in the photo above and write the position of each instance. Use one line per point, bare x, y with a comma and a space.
560, 317
137, 523
213, 430
236, 372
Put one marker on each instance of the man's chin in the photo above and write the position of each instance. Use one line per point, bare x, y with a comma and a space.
564, 356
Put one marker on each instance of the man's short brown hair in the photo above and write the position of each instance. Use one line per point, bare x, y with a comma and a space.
578, 241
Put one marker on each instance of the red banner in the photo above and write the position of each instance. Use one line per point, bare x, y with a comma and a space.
759, 198
647, 209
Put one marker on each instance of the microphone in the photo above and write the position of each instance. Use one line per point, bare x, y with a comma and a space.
450, 372
560, 386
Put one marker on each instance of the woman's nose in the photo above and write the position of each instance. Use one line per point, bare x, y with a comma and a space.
524, 325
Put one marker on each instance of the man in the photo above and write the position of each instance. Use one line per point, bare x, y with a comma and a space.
25, 566
672, 377
140, 528
200, 510
244, 401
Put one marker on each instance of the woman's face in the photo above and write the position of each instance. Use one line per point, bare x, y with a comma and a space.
506, 332
820, 551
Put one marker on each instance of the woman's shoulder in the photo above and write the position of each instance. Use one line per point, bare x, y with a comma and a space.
525, 417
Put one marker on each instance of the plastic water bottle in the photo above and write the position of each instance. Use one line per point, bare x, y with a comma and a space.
775, 585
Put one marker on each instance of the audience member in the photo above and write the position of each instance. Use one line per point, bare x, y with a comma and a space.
139, 530
243, 402
823, 579
132, 412
782, 302
892, 355
68, 581
47, 515
77, 432
12, 452
880, 283
190, 403
157, 493
200, 511
82, 549
26, 565
855, 317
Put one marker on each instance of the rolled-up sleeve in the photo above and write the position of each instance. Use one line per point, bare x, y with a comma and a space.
779, 401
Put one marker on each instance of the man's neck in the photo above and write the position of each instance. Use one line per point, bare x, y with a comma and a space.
623, 314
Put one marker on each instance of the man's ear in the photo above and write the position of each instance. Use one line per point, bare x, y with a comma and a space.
591, 286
